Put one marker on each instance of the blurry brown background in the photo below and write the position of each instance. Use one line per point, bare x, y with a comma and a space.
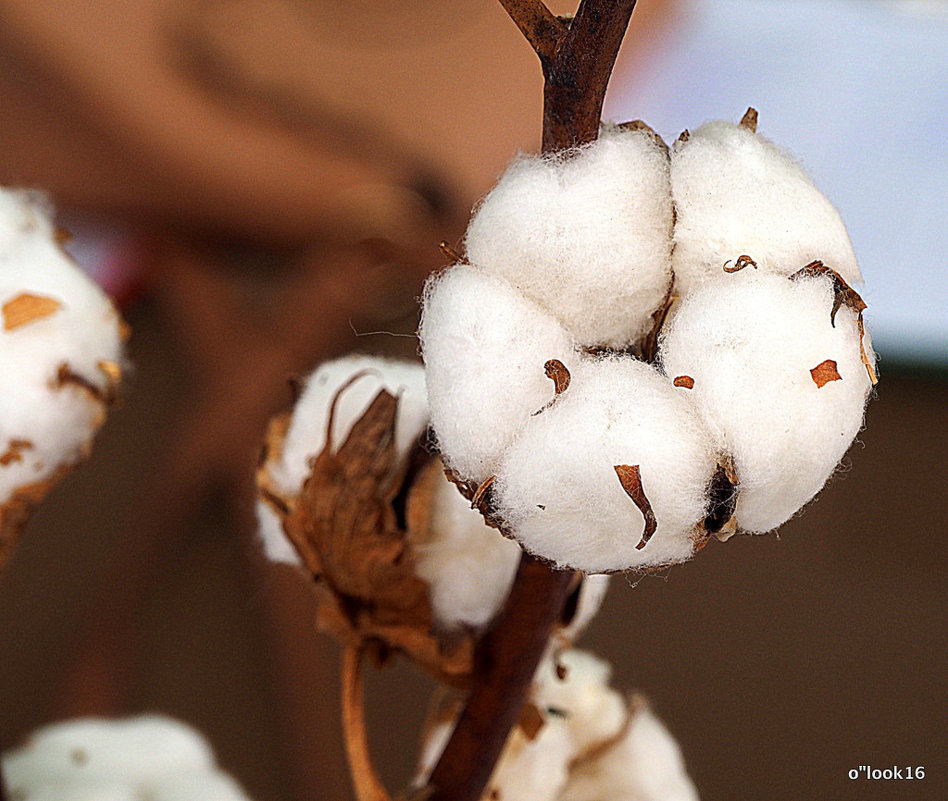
282, 172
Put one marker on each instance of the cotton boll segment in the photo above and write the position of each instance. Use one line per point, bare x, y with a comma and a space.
468, 566
646, 764
558, 489
781, 388
306, 435
586, 234
276, 545
485, 347
60, 359
737, 193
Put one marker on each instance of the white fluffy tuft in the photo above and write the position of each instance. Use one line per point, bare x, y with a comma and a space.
468, 566
92, 759
750, 342
57, 421
559, 493
736, 193
484, 347
586, 234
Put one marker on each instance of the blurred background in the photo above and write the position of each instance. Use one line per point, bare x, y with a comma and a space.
263, 184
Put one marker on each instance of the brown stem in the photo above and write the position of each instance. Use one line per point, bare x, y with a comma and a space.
506, 661
365, 781
576, 68
576, 78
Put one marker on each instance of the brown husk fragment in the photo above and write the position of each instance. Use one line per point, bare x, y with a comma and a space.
630, 477
649, 346
640, 125
749, 120
26, 308
723, 490
685, 381
825, 372
14, 451
345, 526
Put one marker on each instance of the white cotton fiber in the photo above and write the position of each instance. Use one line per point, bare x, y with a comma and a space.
468, 565
276, 545
557, 488
485, 347
45, 423
586, 234
736, 194
645, 765
750, 343
92, 759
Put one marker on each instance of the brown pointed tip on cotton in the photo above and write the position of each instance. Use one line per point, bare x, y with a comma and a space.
825, 372
630, 477
749, 120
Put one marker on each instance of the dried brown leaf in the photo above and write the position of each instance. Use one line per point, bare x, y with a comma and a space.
26, 308
685, 381
630, 477
843, 293
825, 372
531, 721
749, 120
556, 371
740, 264
861, 326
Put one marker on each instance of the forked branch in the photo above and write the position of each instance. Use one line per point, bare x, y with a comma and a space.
542, 29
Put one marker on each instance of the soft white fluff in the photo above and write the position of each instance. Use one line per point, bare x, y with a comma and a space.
645, 765
306, 434
557, 488
736, 194
468, 565
57, 421
104, 760
586, 234
750, 342
484, 346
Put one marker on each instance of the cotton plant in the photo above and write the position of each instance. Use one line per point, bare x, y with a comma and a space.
578, 739
61, 359
738, 384
127, 759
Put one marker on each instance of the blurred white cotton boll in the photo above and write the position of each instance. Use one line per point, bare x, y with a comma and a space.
645, 765
485, 347
584, 233
469, 566
306, 435
736, 193
558, 490
210, 786
53, 318
755, 346
276, 545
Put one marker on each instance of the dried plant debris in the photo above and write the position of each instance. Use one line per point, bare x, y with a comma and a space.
684, 381
60, 334
825, 372
630, 477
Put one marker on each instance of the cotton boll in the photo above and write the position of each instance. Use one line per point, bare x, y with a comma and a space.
754, 345
738, 194
92, 759
469, 567
306, 435
485, 347
558, 490
645, 765
586, 234
288, 465
60, 349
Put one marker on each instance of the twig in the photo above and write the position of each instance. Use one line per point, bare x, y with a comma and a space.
365, 781
506, 661
577, 63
